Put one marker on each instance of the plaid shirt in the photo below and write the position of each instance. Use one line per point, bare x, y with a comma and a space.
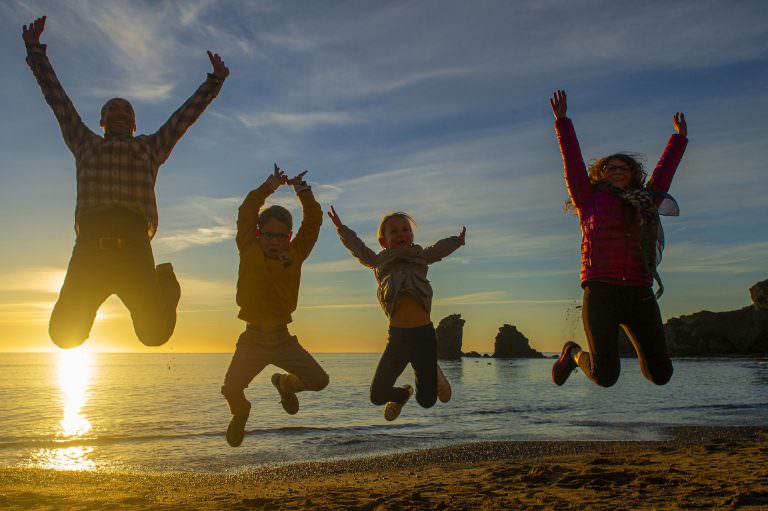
114, 171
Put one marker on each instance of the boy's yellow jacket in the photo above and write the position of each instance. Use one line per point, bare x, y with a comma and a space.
268, 289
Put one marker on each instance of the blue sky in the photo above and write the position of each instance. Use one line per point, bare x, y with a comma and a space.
436, 108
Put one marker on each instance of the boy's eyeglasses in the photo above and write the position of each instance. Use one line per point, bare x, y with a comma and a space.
276, 236
616, 168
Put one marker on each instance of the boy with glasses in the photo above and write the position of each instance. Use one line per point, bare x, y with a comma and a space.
267, 293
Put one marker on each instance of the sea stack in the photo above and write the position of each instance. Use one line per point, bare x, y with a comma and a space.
450, 332
511, 343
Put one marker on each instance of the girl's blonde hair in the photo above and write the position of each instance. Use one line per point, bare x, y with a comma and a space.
389, 216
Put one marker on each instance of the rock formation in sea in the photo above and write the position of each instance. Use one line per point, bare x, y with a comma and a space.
449, 333
510, 343
738, 332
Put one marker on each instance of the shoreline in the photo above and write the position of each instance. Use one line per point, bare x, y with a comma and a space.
697, 466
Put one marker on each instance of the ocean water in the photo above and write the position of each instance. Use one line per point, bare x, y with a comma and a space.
77, 410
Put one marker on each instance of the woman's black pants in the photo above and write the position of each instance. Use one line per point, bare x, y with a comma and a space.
605, 308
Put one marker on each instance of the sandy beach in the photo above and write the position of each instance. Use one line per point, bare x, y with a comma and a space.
719, 468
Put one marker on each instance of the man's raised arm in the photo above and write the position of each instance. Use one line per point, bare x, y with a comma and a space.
164, 139
72, 127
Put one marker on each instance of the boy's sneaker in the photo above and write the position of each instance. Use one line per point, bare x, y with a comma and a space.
443, 387
236, 429
565, 365
169, 284
288, 399
393, 408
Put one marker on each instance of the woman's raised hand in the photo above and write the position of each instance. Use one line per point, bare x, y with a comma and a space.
678, 121
334, 217
31, 33
559, 104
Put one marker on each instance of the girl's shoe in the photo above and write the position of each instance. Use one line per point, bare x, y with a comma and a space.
443, 387
393, 408
565, 365
288, 399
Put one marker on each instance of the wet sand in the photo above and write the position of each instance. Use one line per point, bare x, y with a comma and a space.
697, 468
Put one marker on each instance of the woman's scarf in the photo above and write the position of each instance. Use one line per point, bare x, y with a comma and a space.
650, 205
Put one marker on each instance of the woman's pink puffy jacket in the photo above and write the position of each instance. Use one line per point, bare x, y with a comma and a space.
610, 245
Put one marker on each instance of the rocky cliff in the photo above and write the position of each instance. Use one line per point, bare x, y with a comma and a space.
738, 332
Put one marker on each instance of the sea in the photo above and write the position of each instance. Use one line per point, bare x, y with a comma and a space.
79, 410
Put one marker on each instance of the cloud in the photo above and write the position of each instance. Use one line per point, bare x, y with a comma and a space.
212, 220
492, 298
369, 305
134, 42
202, 294
291, 41
481, 298
341, 265
190, 11
697, 257
140, 91
297, 120
39, 279
180, 240
25, 312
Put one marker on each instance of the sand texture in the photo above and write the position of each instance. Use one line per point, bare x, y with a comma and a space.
701, 468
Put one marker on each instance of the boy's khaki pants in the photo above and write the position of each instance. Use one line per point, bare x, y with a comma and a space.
256, 348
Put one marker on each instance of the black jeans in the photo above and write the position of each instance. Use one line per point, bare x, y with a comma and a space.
112, 255
605, 308
417, 346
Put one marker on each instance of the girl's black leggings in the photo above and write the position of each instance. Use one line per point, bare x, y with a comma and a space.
605, 308
417, 346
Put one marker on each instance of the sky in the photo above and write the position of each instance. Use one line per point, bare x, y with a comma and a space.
437, 108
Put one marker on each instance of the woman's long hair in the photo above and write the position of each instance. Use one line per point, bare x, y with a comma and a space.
596, 171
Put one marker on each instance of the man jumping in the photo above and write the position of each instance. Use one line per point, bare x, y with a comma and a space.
116, 211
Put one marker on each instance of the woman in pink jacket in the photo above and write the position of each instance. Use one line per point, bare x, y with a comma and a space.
618, 213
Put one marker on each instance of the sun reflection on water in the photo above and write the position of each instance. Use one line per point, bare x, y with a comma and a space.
74, 376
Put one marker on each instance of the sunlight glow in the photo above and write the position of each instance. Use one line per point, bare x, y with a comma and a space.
69, 458
74, 377
53, 280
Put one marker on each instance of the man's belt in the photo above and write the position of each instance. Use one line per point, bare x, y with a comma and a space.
110, 243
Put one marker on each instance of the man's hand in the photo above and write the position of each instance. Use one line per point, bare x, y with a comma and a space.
219, 69
462, 234
335, 217
31, 33
678, 121
559, 104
